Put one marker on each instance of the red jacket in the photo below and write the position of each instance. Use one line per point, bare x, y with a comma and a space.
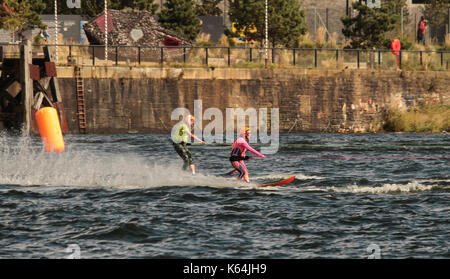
422, 27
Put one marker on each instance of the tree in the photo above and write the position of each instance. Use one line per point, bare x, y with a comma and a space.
37, 6
285, 20
369, 27
147, 5
436, 12
91, 8
209, 8
180, 16
17, 16
396, 7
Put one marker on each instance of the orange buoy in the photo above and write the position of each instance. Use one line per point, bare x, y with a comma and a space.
50, 129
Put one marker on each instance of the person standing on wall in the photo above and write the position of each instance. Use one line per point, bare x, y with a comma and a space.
423, 24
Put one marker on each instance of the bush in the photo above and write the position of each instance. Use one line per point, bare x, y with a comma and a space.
434, 119
203, 40
447, 42
305, 41
203, 44
246, 64
307, 45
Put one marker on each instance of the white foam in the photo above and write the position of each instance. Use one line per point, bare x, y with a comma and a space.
24, 163
433, 180
411, 187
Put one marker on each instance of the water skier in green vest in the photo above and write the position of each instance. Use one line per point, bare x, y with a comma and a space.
180, 140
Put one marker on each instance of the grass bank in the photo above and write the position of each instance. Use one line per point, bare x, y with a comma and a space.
428, 119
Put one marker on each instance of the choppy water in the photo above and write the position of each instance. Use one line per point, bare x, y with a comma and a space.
124, 196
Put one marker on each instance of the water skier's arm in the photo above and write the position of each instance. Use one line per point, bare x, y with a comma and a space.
249, 148
195, 137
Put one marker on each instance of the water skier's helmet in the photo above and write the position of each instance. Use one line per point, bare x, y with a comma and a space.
190, 118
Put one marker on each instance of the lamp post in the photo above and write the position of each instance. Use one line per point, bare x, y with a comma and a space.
347, 5
106, 31
266, 35
56, 31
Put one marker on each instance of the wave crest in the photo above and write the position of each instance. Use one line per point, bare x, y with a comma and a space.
411, 187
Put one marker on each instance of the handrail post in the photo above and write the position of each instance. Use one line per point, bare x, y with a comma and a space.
162, 56
315, 58
184, 55
337, 57
229, 58
139, 55
400, 60
379, 58
206, 52
70, 52
93, 55
117, 55
421, 61
273, 55
442, 57
293, 56
251, 58
358, 57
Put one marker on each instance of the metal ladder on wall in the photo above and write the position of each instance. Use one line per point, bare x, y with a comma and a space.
81, 107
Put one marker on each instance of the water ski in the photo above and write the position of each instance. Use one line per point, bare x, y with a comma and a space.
278, 183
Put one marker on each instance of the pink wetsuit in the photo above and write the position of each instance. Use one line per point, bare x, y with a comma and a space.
238, 150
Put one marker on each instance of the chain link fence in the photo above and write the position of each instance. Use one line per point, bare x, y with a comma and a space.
330, 19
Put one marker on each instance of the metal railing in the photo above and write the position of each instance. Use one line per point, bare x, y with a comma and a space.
248, 57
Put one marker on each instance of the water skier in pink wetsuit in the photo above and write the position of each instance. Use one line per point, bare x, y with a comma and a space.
237, 157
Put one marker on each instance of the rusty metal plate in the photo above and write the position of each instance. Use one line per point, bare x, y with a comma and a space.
34, 72
14, 89
50, 69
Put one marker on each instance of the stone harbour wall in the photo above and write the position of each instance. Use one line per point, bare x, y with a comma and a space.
141, 100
